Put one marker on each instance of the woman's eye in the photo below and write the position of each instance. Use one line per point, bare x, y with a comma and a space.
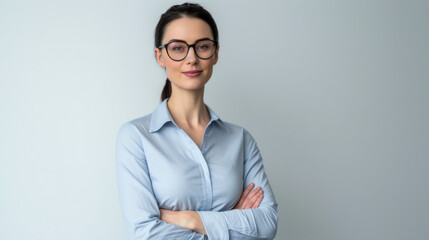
203, 47
177, 48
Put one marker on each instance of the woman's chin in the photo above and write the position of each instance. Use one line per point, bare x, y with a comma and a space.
192, 85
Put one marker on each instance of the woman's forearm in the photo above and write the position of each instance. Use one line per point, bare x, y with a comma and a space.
186, 219
196, 222
250, 198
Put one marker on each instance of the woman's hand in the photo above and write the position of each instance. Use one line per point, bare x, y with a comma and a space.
249, 198
186, 219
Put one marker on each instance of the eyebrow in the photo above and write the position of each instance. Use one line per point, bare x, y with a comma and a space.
172, 40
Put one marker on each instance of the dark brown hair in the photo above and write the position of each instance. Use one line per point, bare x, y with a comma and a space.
176, 12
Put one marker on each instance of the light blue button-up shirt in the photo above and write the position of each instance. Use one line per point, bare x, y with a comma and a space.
160, 166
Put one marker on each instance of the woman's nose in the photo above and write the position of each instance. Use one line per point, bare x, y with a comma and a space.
192, 56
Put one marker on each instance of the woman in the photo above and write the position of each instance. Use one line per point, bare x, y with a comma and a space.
181, 169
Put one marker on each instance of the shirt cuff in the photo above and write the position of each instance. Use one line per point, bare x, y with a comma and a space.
215, 225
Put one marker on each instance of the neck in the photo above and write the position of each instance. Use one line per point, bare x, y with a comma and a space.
188, 109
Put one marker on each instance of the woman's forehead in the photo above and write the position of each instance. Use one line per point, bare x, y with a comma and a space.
187, 29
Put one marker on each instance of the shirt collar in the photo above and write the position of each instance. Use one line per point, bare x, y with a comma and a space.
161, 116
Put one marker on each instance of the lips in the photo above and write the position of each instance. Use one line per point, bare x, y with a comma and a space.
193, 73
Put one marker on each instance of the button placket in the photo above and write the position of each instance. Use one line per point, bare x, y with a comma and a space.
206, 179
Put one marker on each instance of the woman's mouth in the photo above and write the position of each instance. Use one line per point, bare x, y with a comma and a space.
193, 73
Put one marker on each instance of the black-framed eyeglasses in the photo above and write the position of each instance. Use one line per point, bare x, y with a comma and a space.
177, 50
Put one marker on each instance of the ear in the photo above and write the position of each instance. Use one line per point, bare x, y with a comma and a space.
159, 58
216, 55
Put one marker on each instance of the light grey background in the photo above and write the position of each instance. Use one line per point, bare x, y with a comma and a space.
336, 93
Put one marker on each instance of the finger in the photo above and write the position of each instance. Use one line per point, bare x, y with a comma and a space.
259, 200
244, 194
247, 190
254, 192
251, 198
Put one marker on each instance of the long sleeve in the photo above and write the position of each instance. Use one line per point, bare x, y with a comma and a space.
258, 223
138, 205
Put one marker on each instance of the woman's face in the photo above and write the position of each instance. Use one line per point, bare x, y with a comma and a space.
189, 30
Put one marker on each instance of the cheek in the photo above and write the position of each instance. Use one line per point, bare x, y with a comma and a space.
209, 70
172, 68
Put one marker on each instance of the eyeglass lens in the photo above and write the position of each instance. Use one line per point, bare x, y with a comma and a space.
178, 50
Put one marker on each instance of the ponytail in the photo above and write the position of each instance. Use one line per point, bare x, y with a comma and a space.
166, 92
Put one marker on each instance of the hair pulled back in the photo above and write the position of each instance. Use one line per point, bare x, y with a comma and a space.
175, 12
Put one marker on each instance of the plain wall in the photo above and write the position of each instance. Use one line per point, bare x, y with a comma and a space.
336, 93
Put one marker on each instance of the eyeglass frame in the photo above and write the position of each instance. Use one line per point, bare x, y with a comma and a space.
189, 47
